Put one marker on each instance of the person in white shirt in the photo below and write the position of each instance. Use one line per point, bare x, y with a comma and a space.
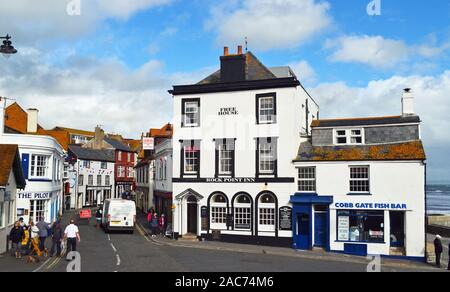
72, 235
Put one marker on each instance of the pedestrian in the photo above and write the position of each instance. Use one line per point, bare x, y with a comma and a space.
150, 216
162, 224
72, 235
155, 223
16, 237
34, 244
26, 240
448, 266
57, 236
98, 217
43, 232
22, 224
438, 250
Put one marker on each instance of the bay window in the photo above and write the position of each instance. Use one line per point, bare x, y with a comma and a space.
39, 166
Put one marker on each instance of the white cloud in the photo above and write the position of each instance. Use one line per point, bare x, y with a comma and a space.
383, 98
305, 73
82, 93
269, 24
30, 21
375, 51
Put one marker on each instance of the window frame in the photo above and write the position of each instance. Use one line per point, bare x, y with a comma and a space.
196, 145
299, 179
273, 142
231, 143
269, 210
246, 217
33, 167
184, 114
348, 136
220, 209
359, 179
273, 119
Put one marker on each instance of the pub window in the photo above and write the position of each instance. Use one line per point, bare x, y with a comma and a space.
218, 212
80, 180
86, 164
225, 152
267, 156
90, 180
191, 158
361, 226
191, 112
104, 165
307, 179
242, 212
266, 209
107, 180
266, 108
39, 166
99, 180
359, 179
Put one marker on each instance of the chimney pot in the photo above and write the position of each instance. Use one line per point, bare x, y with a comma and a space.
226, 51
240, 50
408, 102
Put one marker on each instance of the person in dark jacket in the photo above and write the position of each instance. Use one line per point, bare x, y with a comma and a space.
43, 232
57, 236
16, 237
98, 217
438, 250
155, 224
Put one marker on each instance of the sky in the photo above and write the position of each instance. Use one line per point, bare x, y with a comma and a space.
84, 63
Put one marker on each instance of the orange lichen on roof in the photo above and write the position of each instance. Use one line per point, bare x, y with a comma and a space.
401, 151
7, 156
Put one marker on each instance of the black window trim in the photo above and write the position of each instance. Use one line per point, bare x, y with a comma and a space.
217, 162
258, 97
275, 173
183, 111
182, 170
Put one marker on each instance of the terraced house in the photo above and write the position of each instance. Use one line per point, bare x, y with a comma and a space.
361, 186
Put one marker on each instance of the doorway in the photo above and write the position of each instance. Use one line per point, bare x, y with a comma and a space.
192, 214
397, 229
302, 235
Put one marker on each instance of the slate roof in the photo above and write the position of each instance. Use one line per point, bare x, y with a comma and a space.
365, 121
400, 151
10, 160
105, 155
255, 70
117, 145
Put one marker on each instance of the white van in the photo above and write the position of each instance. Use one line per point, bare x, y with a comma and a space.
119, 215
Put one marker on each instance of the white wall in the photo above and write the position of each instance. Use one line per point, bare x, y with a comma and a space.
390, 183
164, 151
8, 223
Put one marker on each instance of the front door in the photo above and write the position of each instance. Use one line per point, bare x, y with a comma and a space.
397, 229
320, 229
303, 231
192, 216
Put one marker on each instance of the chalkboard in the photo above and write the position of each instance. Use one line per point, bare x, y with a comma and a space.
285, 218
204, 214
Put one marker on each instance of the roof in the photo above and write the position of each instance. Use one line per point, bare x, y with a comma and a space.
105, 155
10, 160
75, 131
164, 132
282, 72
373, 121
255, 70
399, 151
117, 145
143, 162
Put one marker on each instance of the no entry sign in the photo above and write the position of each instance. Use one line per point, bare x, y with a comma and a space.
85, 214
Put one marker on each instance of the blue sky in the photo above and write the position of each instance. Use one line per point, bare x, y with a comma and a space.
118, 58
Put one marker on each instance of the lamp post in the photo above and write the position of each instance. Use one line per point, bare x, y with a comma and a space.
7, 48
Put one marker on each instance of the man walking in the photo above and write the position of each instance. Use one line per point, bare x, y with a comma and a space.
57, 236
448, 266
438, 250
72, 235
43, 232
16, 237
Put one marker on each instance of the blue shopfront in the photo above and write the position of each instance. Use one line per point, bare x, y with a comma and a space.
311, 221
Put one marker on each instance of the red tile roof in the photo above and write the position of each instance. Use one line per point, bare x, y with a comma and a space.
9, 160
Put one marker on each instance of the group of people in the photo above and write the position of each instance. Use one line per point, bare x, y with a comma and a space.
157, 223
438, 250
30, 240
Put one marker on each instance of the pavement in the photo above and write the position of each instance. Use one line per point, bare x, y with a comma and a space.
139, 252
445, 243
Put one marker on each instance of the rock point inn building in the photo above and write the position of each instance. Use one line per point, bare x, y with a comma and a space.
252, 163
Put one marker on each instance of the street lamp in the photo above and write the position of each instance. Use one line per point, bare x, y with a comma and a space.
7, 49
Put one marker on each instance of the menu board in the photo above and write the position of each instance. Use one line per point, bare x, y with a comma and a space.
343, 228
285, 218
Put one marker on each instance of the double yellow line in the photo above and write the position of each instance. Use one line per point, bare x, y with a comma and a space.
56, 260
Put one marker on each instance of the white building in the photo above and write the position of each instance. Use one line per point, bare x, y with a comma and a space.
361, 186
11, 179
144, 171
235, 136
163, 178
92, 176
42, 162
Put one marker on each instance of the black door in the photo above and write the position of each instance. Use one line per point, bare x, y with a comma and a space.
192, 218
397, 229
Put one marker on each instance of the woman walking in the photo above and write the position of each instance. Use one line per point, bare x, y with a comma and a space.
155, 224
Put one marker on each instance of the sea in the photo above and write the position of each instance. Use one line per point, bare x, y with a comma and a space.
438, 199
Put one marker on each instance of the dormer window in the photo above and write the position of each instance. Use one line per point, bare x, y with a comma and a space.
349, 137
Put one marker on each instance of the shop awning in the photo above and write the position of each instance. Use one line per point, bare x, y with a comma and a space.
307, 198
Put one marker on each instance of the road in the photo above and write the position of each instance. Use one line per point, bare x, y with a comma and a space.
101, 252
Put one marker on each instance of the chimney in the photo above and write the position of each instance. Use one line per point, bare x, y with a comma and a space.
232, 67
2, 116
226, 51
408, 102
240, 50
98, 138
32, 121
